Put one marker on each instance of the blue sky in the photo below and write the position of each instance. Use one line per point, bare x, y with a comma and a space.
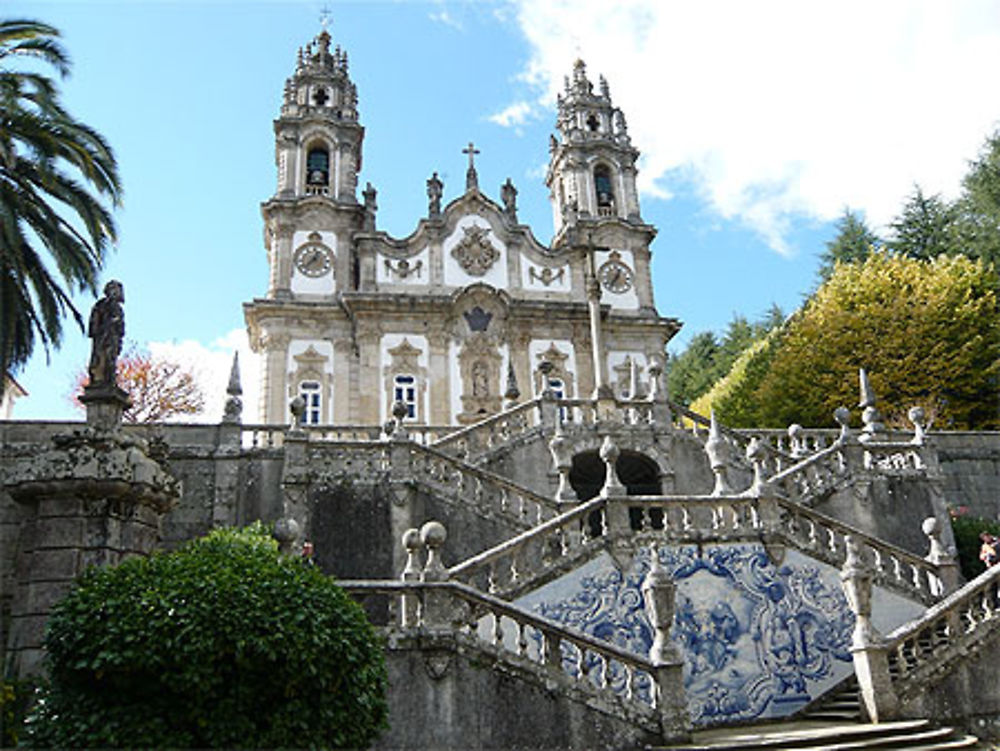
758, 122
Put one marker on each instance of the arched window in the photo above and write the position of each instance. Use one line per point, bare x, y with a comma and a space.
602, 186
404, 389
311, 394
318, 168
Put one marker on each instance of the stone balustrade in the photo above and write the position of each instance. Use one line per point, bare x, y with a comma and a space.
540, 554
490, 432
953, 627
488, 493
547, 550
263, 436
775, 459
810, 478
825, 539
628, 683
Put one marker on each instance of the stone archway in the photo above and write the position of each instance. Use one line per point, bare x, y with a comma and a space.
638, 473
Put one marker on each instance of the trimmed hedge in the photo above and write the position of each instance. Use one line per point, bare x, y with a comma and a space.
222, 644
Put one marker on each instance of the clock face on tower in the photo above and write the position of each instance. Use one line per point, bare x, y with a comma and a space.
615, 275
313, 260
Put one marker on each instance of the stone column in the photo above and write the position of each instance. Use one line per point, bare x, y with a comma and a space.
602, 391
370, 387
281, 262
871, 662
439, 377
274, 376
643, 278
93, 498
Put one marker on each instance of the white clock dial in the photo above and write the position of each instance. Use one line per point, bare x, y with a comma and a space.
313, 260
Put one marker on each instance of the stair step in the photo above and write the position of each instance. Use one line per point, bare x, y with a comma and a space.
915, 735
796, 737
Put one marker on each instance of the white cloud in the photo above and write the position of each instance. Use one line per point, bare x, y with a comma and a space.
211, 366
444, 17
773, 109
513, 116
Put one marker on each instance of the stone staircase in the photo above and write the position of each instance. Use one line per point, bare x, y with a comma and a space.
915, 735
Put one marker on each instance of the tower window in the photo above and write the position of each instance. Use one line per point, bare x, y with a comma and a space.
310, 393
602, 186
318, 167
321, 97
405, 391
593, 123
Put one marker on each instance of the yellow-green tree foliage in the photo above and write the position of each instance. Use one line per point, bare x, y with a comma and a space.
927, 332
733, 397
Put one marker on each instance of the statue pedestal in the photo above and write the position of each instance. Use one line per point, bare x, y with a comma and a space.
105, 405
93, 498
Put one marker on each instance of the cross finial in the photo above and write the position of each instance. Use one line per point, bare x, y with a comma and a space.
324, 17
471, 150
471, 178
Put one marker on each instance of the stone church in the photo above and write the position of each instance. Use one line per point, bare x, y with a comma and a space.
472, 431
460, 315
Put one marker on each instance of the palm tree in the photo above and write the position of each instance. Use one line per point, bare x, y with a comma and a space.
56, 177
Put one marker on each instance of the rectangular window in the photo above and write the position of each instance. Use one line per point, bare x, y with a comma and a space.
405, 391
310, 392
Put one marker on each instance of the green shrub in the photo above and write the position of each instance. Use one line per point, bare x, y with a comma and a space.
222, 644
967, 530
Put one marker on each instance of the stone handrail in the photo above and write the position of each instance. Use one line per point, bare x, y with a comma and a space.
599, 668
738, 440
806, 441
534, 556
490, 431
263, 436
810, 477
538, 555
489, 493
823, 537
893, 457
929, 645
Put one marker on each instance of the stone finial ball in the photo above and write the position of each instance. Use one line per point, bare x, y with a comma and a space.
916, 415
794, 429
930, 526
433, 534
297, 406
286, 530
842, 415
411, 539
400, 410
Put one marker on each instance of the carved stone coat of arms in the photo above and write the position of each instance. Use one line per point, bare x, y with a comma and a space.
475, 253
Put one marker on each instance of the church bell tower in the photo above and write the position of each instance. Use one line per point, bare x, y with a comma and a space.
592, 169
309, 220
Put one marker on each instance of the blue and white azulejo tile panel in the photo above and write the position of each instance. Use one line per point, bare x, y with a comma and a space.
758, 640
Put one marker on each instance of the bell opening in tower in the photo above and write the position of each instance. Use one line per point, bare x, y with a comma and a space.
602, 186
317, 171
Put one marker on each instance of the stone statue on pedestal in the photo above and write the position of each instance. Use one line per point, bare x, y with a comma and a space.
107, 330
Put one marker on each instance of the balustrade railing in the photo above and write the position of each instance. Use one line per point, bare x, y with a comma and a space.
809, 478
946, 631
491, 431
799, 443
598, 668
489, 493
537, 555
263, 436
775, 459
824, 538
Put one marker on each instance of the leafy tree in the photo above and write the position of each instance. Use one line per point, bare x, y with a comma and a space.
56, 175
707, 359
853, 243
928, 333
160, 389
977, 222
733, 397
924, 229
222, 644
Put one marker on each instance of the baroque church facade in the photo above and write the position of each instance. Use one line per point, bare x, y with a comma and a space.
485, 457
456, 319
